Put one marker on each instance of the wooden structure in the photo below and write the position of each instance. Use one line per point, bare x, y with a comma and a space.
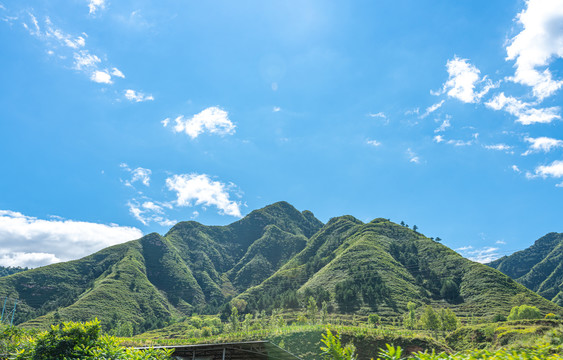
250, 350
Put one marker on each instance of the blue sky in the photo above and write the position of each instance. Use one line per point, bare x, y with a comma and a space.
120, 118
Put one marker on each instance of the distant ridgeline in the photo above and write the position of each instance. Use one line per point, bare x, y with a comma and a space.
539, 267
275, 257
5, 271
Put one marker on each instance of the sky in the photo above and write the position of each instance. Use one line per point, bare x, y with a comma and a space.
121, 118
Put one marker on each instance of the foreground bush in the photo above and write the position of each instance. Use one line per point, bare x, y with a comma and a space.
537, 353
70, 340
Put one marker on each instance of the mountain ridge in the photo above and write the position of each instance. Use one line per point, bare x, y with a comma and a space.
276, 256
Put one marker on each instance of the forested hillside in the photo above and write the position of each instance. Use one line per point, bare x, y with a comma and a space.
539, 267
276, 257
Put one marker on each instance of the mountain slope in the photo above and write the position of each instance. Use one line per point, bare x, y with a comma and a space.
146, 281
380, 266
273, 257
539, 267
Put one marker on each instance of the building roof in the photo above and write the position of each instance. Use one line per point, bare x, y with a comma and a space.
249, 350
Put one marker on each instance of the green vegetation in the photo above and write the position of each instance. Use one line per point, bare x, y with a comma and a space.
539, 267
9, 270
281, 274
70, 340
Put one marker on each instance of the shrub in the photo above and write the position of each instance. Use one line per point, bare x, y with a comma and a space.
523, 312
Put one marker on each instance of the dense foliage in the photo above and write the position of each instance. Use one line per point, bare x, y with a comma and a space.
70, 340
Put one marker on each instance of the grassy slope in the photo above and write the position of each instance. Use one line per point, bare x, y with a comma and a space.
539, 267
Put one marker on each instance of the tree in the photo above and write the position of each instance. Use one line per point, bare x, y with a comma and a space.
324, 312
234, 320
312, 310
373, 319
430, 319
334, 349
409, 318
523, 312
402, 223
438, 239
415, 228
448, 319
449, 291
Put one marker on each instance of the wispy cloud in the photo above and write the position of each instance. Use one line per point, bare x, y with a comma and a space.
70, 46
373, 143
432, 108
213, 120
515, 168
525, 113
276, 109
445, 124
543, 143
150, 212
138, 174
413, 157
135, 96
58, 239
537, 45
200, 189
498, 147
481, 255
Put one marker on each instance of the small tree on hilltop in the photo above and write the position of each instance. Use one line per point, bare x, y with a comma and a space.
415, 228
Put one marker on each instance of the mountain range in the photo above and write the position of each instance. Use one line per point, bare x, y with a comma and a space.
539, 267
275, 257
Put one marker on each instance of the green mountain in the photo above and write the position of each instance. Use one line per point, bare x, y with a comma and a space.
274, 257
192, 268
539, 267
381, 266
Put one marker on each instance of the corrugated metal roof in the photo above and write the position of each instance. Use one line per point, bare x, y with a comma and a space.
250, 350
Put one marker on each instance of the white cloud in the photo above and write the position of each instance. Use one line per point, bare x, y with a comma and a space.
213, 119
555, 170
498, 147
537, 45
378, 115
199, 189
138, 174
482, 255
526, 115
132, 95
500, 242
445, 124
459, 142
165, 122
84, 60
116, 72
431, 109
58, 240
69, 46
373, 142
516, 169
102, 77
276, 109
413, 157
95, 5
438, 138
543, 143
462, 81
149, 212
